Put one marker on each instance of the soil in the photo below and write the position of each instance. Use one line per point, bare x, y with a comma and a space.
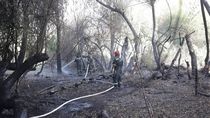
137, 98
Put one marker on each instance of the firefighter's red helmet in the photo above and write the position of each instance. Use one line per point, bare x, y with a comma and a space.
117, 53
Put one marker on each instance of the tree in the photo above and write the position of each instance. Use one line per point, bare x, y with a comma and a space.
206, 31
154, 44
14, 19
58, 27
120, 12
124, 53
206, 4
25, 7
193, 61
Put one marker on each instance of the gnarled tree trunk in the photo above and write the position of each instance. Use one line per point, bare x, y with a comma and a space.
7, 84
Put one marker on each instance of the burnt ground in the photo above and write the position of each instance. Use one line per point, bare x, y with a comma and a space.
137, 98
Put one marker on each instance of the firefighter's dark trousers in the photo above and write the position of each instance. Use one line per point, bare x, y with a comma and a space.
117, 79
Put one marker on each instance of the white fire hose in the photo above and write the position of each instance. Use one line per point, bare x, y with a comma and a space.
78, 98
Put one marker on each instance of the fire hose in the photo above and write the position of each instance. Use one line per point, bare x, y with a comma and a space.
78, 98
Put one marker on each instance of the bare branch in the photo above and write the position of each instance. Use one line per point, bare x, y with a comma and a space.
109, 7
122, 14
127, 21
206, 4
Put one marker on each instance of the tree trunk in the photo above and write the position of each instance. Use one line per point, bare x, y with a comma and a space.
25, 33
58, 50
180, 55
124, 53
179, 60
112, 45
58, 26
5, 61
7, 84
41, 36
206, 33
193, 62
136, 38
154, 45
43, 26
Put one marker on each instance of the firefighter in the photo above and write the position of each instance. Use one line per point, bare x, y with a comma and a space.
117, 65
